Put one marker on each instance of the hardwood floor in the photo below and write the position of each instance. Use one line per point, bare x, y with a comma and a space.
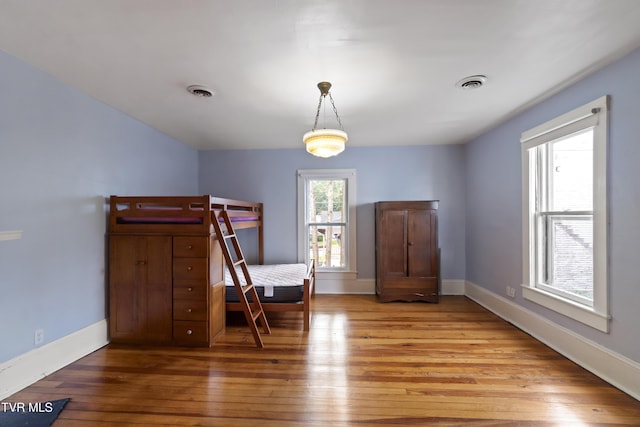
362, 364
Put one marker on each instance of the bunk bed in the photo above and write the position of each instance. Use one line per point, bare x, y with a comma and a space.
182, 214
185, 215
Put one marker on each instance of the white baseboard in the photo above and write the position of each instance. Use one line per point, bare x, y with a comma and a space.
452, 287
619, 371
26, 369
345, 286
336, 285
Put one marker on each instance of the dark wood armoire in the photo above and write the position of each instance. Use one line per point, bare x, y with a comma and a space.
407, 251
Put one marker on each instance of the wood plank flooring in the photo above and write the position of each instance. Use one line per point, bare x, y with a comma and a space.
362, 364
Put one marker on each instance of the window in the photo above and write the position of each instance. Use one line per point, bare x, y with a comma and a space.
326, 218
565, 214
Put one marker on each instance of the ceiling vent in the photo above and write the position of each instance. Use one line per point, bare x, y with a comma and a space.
200, 91
471, 82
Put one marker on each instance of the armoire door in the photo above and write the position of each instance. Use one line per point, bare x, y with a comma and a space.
140, 289
421, 243
392, 242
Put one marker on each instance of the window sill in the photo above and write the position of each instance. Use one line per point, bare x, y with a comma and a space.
580, 313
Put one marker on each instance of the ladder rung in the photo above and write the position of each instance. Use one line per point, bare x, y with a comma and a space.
229, 236
238, 262
246, 288
256, 314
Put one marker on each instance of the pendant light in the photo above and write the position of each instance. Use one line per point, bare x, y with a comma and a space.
325, 142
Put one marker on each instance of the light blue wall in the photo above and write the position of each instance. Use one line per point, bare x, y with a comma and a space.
61, 154
494, 237
398, 173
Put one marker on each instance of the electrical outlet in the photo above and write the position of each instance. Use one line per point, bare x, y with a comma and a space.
38, 337
511, 291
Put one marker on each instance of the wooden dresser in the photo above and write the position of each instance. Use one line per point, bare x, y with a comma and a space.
407, 252
166, 289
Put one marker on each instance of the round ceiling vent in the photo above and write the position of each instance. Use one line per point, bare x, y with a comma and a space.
200, 91
471, 82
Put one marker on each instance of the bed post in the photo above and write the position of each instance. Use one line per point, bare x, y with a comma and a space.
261, 235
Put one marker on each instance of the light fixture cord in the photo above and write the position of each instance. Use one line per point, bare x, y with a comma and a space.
335, 110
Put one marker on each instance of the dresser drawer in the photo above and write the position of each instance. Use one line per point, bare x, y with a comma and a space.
189, 332
189, 246
190, 290
190, 268
187, 309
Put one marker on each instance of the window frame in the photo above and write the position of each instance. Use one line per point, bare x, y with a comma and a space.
594, 115
303, 177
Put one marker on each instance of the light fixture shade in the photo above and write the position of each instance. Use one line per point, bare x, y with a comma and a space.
325, 142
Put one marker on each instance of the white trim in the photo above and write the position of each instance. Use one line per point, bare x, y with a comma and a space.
347, 283
452, 287
329, 283
571, 128
586, 112
26, 369
596, 115
350, 175
600, 212
616, 369
10, 235
576, 311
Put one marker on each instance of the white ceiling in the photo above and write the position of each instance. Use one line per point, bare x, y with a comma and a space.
393, 63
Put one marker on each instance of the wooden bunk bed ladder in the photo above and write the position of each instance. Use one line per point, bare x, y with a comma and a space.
253, 310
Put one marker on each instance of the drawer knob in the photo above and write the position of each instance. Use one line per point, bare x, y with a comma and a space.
190, 247
189, 268
189, 310
189, 331
190, 289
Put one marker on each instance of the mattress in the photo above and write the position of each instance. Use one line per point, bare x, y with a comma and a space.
274, 282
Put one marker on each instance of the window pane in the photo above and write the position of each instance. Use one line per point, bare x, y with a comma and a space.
326, 224
569, 254
326, 201
571, 169
327, 245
